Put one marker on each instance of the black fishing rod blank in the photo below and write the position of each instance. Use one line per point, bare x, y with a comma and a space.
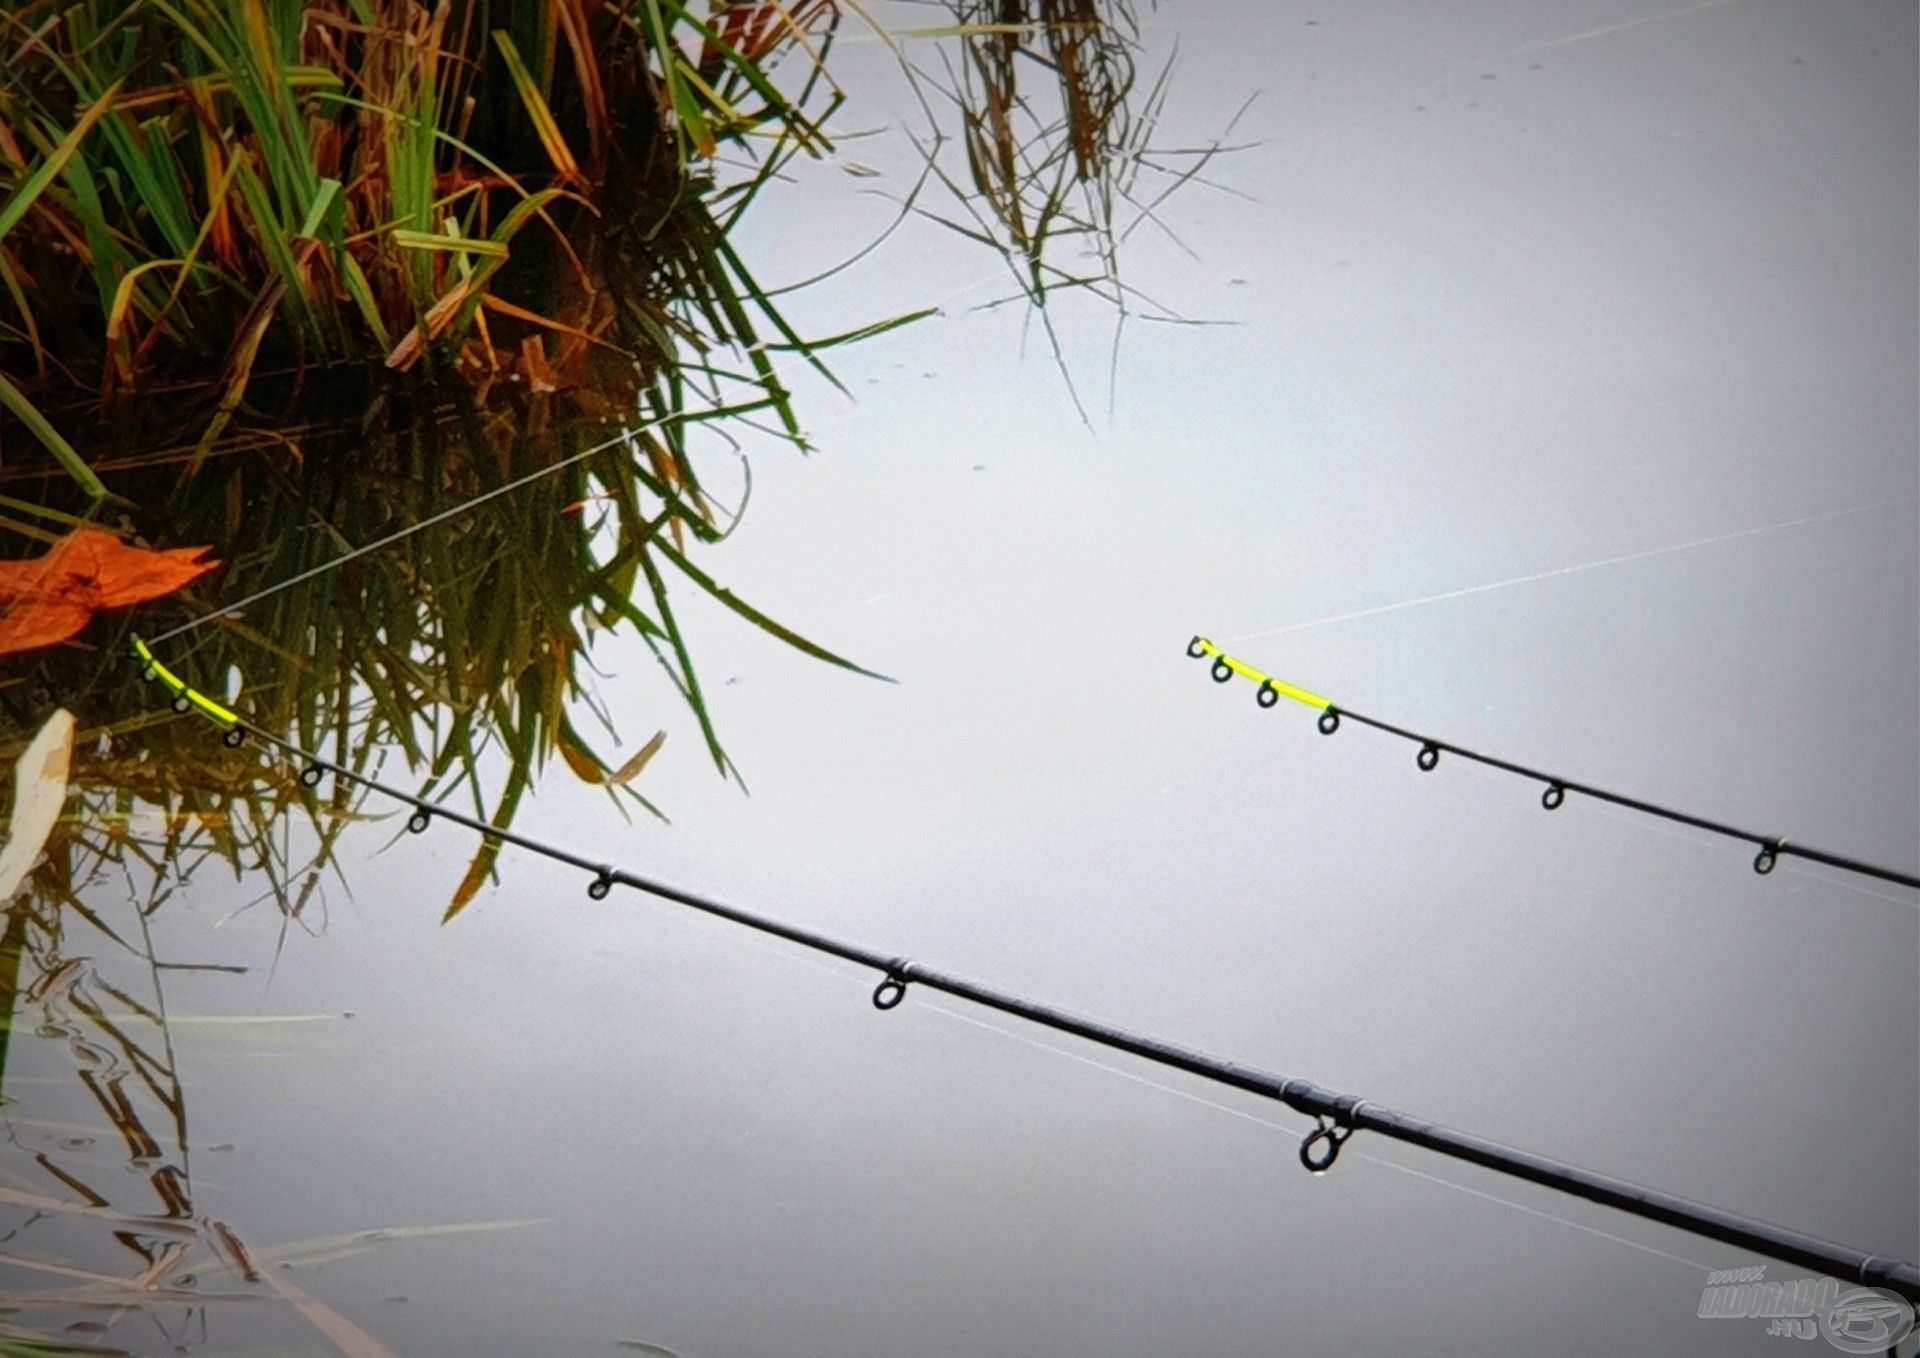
1771, 848
1336, 1116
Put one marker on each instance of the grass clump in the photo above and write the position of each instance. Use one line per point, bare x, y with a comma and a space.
287, 277
299, 274
258, 209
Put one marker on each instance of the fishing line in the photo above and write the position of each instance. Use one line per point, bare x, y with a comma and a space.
1470, 590
1537, 1212
1109, 1069
1703, 842
1009, 1035
1556, 788
674, 504
400, 534
1241, 1113
1337, 1117
1271, 1125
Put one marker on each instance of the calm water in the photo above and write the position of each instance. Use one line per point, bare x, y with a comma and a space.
1562, 403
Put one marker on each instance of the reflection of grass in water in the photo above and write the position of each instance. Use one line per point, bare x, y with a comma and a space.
469, 635
120, 1050
114, 1229
1062, 161
298, 277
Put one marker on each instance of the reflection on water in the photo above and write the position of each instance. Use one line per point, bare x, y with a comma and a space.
457, 655
112, 1225
469, 638
727, 1149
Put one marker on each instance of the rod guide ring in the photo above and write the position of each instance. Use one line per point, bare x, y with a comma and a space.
1322, 1145
893, 989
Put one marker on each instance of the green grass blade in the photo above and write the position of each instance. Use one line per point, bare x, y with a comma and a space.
544, 125
28, 414
756, 617
23, 198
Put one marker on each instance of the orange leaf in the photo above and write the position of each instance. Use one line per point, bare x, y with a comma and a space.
46, 599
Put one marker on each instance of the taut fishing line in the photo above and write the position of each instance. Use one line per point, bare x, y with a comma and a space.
403, 533
625, 435
1556, 789
1217, 1106
1135, 1077
1578, 568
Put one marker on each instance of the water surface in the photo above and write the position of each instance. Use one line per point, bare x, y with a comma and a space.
1596, 335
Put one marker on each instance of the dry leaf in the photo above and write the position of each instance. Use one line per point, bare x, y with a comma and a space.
46, 599
630, 770
587, 768
39, 791
477, 873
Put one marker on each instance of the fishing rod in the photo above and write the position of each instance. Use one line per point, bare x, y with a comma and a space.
1336, 1116
1771, 847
